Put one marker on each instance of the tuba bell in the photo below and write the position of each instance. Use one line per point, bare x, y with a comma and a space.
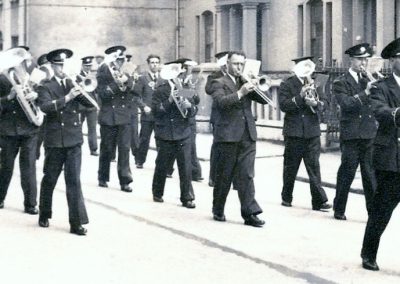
13, 66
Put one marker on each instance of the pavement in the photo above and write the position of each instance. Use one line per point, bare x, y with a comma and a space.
132, 239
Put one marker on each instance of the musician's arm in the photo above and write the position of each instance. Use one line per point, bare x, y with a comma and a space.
47, 104
106, 88
322, 103
346, 101
384, 114
138, 90
289, 103
223, 100
255, 97
160, 102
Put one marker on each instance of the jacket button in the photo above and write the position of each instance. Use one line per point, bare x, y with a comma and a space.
369, 116
123, 97
112, 97
14, 112
74, 111
61, 112
113, 106
123, 105
302, 115
62, 123
172, 119
360, 116
75, 123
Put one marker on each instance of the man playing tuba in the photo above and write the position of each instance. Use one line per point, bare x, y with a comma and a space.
17, 132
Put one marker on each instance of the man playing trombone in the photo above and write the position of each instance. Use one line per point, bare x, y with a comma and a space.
60, 98
357, 129
301, 131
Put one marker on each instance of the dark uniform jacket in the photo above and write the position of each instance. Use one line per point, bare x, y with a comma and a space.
385, 99
231, 113
62, 126
169, 123
116, 105
357, 120
144, 89
13, 120
209, 88
299, 120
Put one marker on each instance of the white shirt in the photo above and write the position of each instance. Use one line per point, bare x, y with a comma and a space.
397, 78
153, 75
353, 74
233, 78
64, 81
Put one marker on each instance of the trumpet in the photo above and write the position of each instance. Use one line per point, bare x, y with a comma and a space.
261, 86
82, 91
12, 66
311, 91
120, 78
369, 75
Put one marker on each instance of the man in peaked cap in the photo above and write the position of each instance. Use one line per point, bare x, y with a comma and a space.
357, 129
301, 131
62, 139
90, 114
385, 100
114, 91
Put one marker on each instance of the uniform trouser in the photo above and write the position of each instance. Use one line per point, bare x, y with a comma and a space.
134, 134
55, 159
235, 160
168, 151
385, 200
91, 117
196, 167
26, 146
119, 135
39, 143
354, 152
212, 163
146, 128
308, 150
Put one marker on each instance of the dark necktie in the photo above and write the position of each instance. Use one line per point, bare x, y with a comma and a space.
238, 80
63, 85
359, 77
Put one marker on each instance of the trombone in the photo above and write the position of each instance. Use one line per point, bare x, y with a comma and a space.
82, 90
261, 86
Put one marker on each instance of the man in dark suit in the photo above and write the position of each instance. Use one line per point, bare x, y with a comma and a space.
209, 88
385, 99
17, 134
114, 90
172, 131
235, 136
62, 140
90, 114
144, 88
357, 129
301, 133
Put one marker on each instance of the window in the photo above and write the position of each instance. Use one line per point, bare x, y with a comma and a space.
208, 20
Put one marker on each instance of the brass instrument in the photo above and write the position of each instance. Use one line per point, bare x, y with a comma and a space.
261, 84
83, 92
170, 73
88, 83
120, 78
374, 66
311, 91
12, 66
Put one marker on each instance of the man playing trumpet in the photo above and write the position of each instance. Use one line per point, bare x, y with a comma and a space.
357, 129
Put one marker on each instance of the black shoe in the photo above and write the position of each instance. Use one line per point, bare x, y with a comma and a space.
1, 204
370, 264
103, 183
43, 222
78, 230
139, 166
197, 179
189, 204
126, 188
211, 183
94, 153
339, 216
158, 199
32, 210
286, 204
253, 220
219, 218
323, 206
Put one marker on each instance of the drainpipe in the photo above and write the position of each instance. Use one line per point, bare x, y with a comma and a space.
177, 28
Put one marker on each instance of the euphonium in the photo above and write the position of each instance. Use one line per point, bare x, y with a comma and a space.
12, 66
311, 90
120, 78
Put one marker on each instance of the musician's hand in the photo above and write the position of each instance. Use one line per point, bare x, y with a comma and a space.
147, 109
170, 98
73, 93
305, 90
368, 88
310, 101
12, 95
135, 76
246, 89
31, 96
186, 104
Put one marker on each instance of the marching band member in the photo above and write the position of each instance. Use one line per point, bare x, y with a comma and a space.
172, 132
385, 99
114, 118
90, 114
144, 88
301, 133
357, 129
17, 134
60, 100
221, 61
235, 136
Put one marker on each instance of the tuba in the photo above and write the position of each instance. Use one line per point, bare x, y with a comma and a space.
12, 65
170, 73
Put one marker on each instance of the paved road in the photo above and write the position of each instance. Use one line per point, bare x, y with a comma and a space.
131, 239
